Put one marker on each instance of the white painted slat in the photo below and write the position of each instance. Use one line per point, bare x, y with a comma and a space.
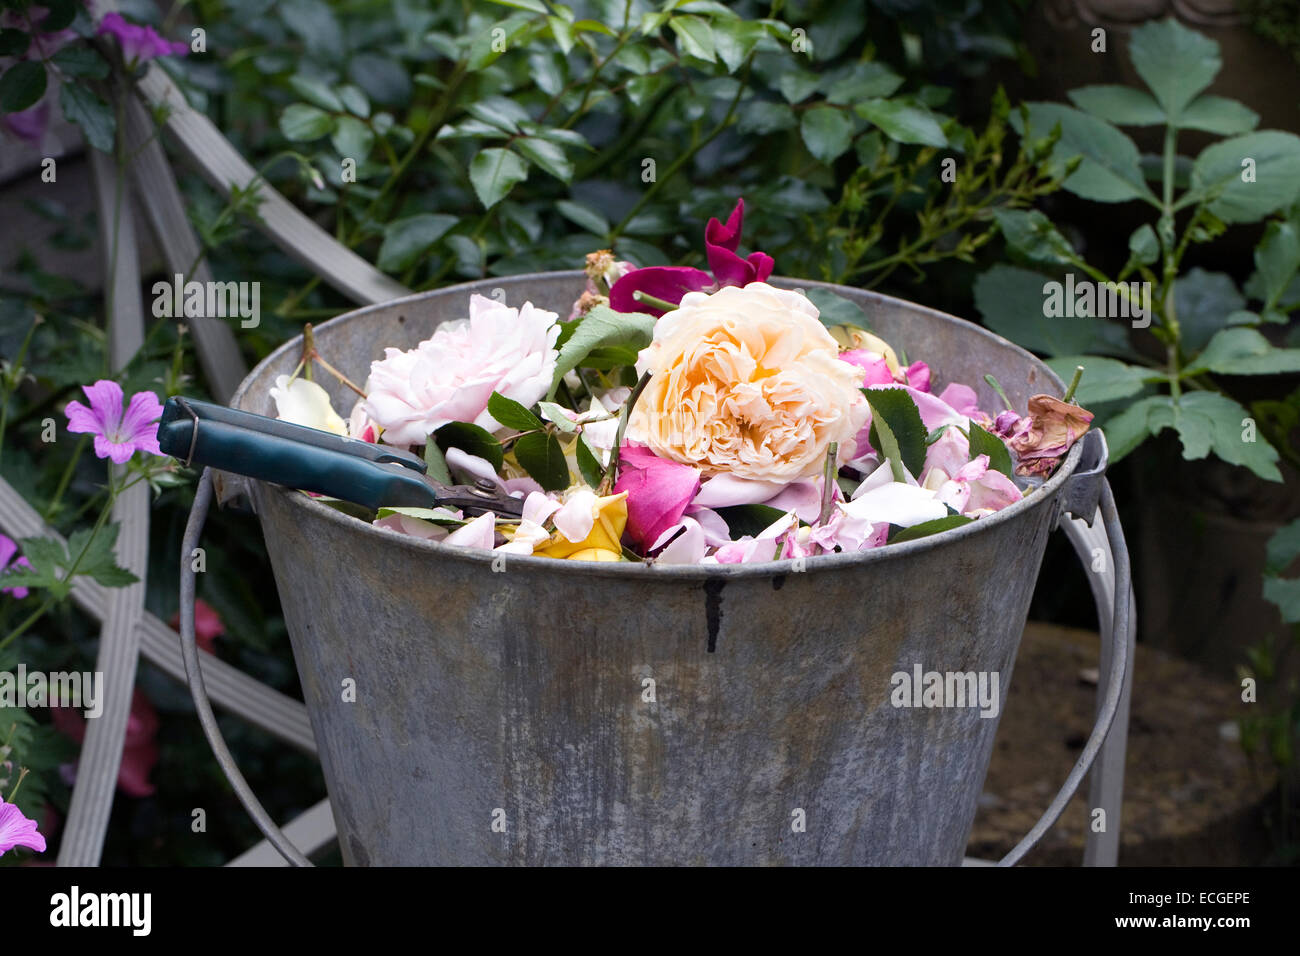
222, 165
119, 642
309, 832
230, 688
214, 340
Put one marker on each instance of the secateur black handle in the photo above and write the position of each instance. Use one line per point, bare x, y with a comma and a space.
295, 456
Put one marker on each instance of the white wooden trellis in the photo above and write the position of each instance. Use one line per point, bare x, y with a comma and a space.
128, 631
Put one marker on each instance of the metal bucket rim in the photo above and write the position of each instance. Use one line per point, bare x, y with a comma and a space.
1044, 495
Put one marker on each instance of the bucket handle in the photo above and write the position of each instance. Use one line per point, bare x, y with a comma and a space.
1115, 681
1105, 715
203, 706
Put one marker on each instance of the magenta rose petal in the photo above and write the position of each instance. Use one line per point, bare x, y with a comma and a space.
726, 236
669, 283
658, 492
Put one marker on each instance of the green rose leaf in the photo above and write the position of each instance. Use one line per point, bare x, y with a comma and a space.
352, 138
1143, 246
405, 240
833, 309
1202, 300
1032, 234
542, 457
511, 414
1277, 257
927, 528
1283, 548
903, 122
81, 61
827, 132
734, 39
1125, 431
588, 465
749, 520
986, 443
437, 463
316, 92
494, 172
547, 155
472, 439
694, 37
763, 117
1208, 421
301, 122
583, 216
602, 328
895, 408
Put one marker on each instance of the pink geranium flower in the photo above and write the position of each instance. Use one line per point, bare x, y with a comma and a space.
118, 434
139, 43
8, 548
17, 830
140, 751
208, 625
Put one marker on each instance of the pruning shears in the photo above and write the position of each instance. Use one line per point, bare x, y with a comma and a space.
373, 476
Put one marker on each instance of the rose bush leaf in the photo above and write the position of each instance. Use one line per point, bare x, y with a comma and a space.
600, 328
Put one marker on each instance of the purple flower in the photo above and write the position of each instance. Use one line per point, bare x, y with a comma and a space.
139, 43
8, 548
17, 830
118, 434
670, 283
30, 125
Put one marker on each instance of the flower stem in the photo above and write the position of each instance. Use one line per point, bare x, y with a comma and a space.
1074, 383
52, 598
653, 301
828, 482
611, 474
22, 773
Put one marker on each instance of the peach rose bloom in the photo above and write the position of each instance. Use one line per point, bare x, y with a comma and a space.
746, 380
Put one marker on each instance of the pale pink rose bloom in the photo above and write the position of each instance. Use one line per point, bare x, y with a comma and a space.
950, 451
450, 376
975, 489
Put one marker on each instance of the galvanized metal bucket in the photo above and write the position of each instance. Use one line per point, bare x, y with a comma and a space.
548, 712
